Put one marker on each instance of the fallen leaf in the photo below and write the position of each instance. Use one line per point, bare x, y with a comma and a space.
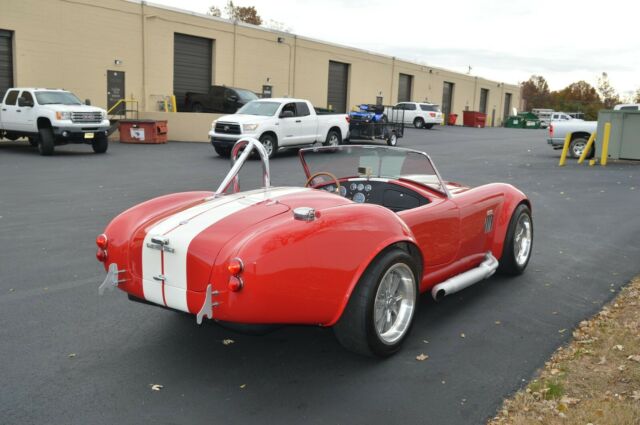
156, 387
634, 357
636, 395
569, 400
243, 386
425, 341
463, 335
71, 355
11, 290
555, 371
422, 357
618, 347
603, 360
562, 331
497, 322
227, 341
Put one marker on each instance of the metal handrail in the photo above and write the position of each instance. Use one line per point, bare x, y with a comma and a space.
248, 144
125, 101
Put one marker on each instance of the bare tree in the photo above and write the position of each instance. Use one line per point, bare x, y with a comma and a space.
607, 93
637, 99
214, 11
247, 14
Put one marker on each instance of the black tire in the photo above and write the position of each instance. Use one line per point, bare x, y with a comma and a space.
270, 143
428, 126
223, 152
100, 144
392, 140
197, 107
46, 141
509, 265
33, 141
333, 139
576, 147
418, 123
356, 329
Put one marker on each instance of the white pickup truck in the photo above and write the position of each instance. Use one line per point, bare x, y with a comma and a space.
50, 117
278, 124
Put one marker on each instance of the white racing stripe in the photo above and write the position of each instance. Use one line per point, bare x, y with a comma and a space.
188, 224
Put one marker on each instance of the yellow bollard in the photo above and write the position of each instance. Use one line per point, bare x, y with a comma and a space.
565, 150
173, 103
592, 162
164, 103
605, 143
587, 148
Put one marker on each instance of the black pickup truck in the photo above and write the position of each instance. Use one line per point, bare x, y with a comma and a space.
219, 99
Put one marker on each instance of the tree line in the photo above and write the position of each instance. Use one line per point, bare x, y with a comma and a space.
576, 97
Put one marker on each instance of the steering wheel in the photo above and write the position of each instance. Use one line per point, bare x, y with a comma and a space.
324, 173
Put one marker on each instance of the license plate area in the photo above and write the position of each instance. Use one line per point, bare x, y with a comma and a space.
88, 135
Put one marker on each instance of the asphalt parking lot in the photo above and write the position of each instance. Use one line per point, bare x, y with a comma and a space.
69, 356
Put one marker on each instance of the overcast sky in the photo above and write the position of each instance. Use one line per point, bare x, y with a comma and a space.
504, 40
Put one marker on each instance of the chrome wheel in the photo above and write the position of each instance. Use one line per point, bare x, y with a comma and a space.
522, 240
578, 147
333, 140
394, 303
268, 146
393, 139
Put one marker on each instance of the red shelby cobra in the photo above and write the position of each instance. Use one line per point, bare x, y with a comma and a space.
372, 228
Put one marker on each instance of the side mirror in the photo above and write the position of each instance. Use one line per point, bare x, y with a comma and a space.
287, 114
22, 102
233, 98
87, 102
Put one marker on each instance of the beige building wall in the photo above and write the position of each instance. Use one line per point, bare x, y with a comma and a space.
73, 43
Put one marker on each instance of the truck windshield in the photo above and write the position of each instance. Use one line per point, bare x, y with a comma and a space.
57, 98
265, 109
246, 95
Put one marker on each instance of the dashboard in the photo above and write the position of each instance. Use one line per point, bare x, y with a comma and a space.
380, 192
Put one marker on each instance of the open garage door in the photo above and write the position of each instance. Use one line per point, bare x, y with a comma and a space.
6, 61
405, 82
338, 84
192, 65
447, 98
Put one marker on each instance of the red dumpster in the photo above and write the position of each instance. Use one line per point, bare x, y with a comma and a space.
451, 119
143, 131
474, 119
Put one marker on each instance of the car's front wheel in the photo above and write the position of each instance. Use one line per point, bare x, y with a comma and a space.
270, 144
381, 308
518, 242
46, 143
100, 144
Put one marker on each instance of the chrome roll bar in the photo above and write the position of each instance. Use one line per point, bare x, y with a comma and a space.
248, 144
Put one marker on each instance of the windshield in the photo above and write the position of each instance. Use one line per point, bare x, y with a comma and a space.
265, 109
57, 98
246, 95
373, 162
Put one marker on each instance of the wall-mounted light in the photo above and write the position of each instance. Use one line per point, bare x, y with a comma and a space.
280, 39
117, 62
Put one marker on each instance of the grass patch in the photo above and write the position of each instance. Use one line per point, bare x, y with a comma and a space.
594, 380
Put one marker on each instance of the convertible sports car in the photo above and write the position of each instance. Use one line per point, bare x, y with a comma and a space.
373, 227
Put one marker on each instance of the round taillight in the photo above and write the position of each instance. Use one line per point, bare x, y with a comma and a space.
102, 241
101, 255
235, 284
235, 266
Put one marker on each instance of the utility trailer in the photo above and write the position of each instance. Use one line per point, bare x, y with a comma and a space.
376, 122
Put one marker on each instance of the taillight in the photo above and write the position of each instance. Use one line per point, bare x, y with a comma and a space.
551, 130
348, 118
235, 268
101, 255
102, 241
432, 114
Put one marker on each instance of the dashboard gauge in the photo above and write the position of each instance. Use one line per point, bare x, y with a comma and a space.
359, 197
367, 188
343, 191
360, 187
353, 186
330, 188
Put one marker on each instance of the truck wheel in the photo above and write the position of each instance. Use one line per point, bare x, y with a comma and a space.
197, 107
333, 139
576, 147
393, 139
518, 242
46, 143
223, 152
100, 144
270, 144
380, 311
33, 141
428, 126
418, 123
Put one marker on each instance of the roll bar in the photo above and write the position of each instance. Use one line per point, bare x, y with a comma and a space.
248, 144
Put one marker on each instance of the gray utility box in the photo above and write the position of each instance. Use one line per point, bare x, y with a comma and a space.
624, 142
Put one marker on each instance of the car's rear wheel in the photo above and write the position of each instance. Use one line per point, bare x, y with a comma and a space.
270, 144
46, 143
333, 139
518, 242
577, 146
392, 140
100, 144
418, 123
380, 311
223, 152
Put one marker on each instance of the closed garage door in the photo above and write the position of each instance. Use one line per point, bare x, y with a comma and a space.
6, 62
338, 80
404, 87
191, 65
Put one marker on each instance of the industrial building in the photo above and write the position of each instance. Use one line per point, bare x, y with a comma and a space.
113, 49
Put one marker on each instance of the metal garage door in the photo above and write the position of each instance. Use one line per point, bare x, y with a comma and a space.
191, 65
484, 98
404, 87
447, 98
6, 61
338, 80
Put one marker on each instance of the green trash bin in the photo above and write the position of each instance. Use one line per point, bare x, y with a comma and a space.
532, 124
514, 122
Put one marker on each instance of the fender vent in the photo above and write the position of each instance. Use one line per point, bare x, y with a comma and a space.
488, 223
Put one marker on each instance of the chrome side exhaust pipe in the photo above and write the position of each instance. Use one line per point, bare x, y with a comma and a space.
468, 278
